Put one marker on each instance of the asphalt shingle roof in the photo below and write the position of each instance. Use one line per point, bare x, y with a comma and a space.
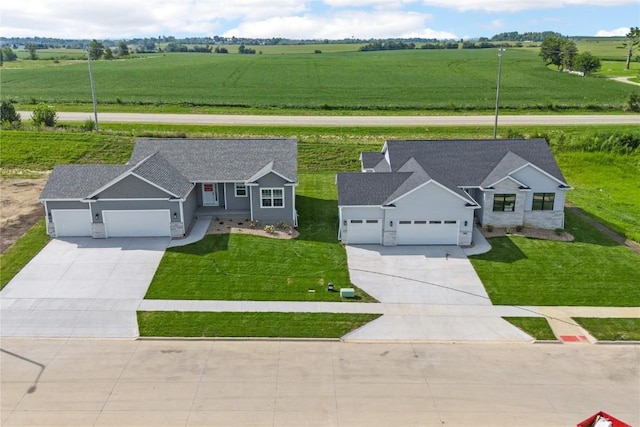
159, 171
452, 163
78, 181
231, 160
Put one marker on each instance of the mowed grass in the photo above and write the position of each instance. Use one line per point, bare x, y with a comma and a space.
21, 252
537, 327
391, 80
607, 187
593, 270
247, 267
269, 325
611, 329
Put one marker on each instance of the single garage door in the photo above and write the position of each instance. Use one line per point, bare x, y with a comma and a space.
364, 231
143, 223
71, 222
427, 233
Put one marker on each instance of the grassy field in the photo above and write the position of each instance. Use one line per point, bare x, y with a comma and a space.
276, 325
593, 270
602, 184
21, 252
537, 327
611, 329
391, 80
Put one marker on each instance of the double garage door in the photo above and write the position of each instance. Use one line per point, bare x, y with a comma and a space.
361, 231
118, 223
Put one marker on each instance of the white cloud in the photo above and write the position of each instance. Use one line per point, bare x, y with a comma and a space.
618, 32
521, 5
342, 25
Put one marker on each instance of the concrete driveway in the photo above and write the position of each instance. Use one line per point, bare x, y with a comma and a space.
429, 293
81, 287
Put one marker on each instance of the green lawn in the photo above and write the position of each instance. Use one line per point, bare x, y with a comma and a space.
273, 325
537, 327
371, 81
247, 267
604, 185
21, 252
591, 271
611, 329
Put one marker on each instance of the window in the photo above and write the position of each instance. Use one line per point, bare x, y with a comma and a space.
435, 222
451, 222
372, 221
504, 202
543, 201
356, 221
241, 189
419, 222
404, 222
272, 197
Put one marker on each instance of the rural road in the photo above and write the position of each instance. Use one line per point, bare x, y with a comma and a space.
247, 120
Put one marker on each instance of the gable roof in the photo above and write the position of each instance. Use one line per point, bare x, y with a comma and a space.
157, 170
468, 163
223, 160
78, 181
453, 164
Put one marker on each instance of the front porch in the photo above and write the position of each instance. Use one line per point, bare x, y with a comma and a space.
220, 212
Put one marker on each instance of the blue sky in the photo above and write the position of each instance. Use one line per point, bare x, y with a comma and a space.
315, 19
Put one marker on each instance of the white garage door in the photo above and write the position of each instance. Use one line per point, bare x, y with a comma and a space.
427, 233
71, 222
364, 231
144, 223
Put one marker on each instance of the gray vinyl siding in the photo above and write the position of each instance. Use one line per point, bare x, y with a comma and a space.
272, 215
189, 208
67, 205
132, 187
233, 202
174, 207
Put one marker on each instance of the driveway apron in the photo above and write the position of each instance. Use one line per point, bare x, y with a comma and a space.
81, 287
428, 293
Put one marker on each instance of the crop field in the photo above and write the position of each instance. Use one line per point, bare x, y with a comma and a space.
448, 80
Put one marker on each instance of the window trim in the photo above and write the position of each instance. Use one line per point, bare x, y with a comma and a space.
240, 186
271, 197
500, 202
544, 203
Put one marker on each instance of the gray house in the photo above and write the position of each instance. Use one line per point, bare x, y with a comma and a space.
169, 182
432, 192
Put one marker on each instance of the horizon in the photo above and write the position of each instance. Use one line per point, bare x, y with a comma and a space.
318, 19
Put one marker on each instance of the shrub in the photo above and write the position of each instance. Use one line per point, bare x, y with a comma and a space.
44, 115
558, 231
8, 116
283, 225
519, 228
271, 229
633, 103
489, 228
253, 224
89, 125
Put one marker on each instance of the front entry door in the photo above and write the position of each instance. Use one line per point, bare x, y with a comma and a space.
209, 194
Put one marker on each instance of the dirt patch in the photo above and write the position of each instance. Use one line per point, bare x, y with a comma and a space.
534, 233
244, 226
19, 207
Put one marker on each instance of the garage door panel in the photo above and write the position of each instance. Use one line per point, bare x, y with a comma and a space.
71, 222
427, 233
142, 223
364, 232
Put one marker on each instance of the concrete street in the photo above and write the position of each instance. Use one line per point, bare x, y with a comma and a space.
72, 382
249, 120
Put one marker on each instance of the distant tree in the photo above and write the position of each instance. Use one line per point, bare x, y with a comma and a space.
44, 115
632, 41
96, 49
558, 51
7, 55
176, 47
108, 53
123, 49
31, 48
8, 116
587, 63
221, 50
245, 50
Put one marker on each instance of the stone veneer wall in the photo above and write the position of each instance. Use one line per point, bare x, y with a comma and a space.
549, 220
177, 229
98, 231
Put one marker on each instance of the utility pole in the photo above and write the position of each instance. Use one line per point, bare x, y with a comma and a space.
93, 92
495, 125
